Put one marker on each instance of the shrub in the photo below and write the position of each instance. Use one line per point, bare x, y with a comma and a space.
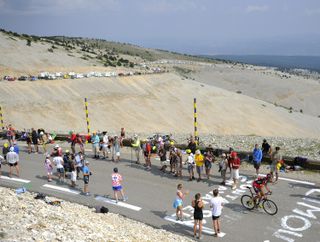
28, 42
50, 50
239, 92
301, 111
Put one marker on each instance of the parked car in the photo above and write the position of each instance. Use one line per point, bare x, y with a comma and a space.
22, 78
33, 78
9, 78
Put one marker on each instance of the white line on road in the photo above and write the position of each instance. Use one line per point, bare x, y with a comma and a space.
15, 179
189, 223
293, 180
120, 204
61, 189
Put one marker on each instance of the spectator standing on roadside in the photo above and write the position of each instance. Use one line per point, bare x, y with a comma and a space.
5, 150
276, 158
78, 163
223, 165
199, 160
11, 134
198, 205
122, 136
265, 147
49, 167
163, 158
178, 202
58, 162
235, 166
190, 164
229, 158
116, 145
116, 185
29, 142
73, 139
147, 154
35, 139
192, 145
86, 175
16, 147
136, 146
209, 159
216, 205
178, 163
105, 142
13, 161
73, 171
95, 140
256, 158
43, 140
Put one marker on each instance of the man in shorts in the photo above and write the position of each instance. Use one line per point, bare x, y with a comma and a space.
235, 165
256, 158
116, 185
216, 205
276, 157
58, 162
13, 160
86, 175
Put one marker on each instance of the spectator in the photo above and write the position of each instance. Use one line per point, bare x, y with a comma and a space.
57, 151
191, 164
147, 154
13, 161
105, 143
216, 205
43, 140
229, 158
178, 202
116, 146
73, 171
209, 159
192, 145
173, 160
5, 150
16, 147
67, 162
235, 165
116, 185
35, 139
197, 204
256, 158
73, 140
163, 158
86, 175
223, 165
178, 163
58, 162
276, 158
49, 168
78, 163
199, 160
95, 140
10, 134
136, 146
29, 142
122, 136
265, 147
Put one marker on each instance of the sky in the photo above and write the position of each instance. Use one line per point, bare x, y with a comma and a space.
208, 27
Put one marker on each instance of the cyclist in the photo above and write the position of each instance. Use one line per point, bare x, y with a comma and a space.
258, 185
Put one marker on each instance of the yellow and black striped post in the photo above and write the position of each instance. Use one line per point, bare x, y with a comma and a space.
195, 123
1, 119
87, 114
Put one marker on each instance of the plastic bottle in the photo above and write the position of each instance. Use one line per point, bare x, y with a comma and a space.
21, 190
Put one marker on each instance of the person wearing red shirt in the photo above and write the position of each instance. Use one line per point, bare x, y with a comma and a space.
235, 165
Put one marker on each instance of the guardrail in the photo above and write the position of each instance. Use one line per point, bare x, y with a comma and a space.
308, 164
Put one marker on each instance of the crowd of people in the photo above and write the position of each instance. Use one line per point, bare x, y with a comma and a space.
73, 164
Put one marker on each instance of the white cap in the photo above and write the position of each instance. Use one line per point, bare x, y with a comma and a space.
56, 146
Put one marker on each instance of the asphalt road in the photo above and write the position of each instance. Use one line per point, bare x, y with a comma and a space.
151, 194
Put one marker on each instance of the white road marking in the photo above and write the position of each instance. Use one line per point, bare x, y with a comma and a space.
189, 223
120, 204
61, 189
15, 179
293, 180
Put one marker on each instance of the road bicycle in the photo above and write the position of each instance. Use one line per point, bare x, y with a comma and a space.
249, 202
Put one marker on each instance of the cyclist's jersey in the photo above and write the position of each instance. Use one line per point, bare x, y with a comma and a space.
260, 182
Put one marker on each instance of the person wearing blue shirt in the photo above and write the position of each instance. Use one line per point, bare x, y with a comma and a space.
257, 157
86, 174
95, 140
16, 147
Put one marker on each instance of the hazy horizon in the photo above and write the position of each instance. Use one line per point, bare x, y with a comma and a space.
201, 27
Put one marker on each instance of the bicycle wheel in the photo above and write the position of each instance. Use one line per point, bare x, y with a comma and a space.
269, 207
247, 202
